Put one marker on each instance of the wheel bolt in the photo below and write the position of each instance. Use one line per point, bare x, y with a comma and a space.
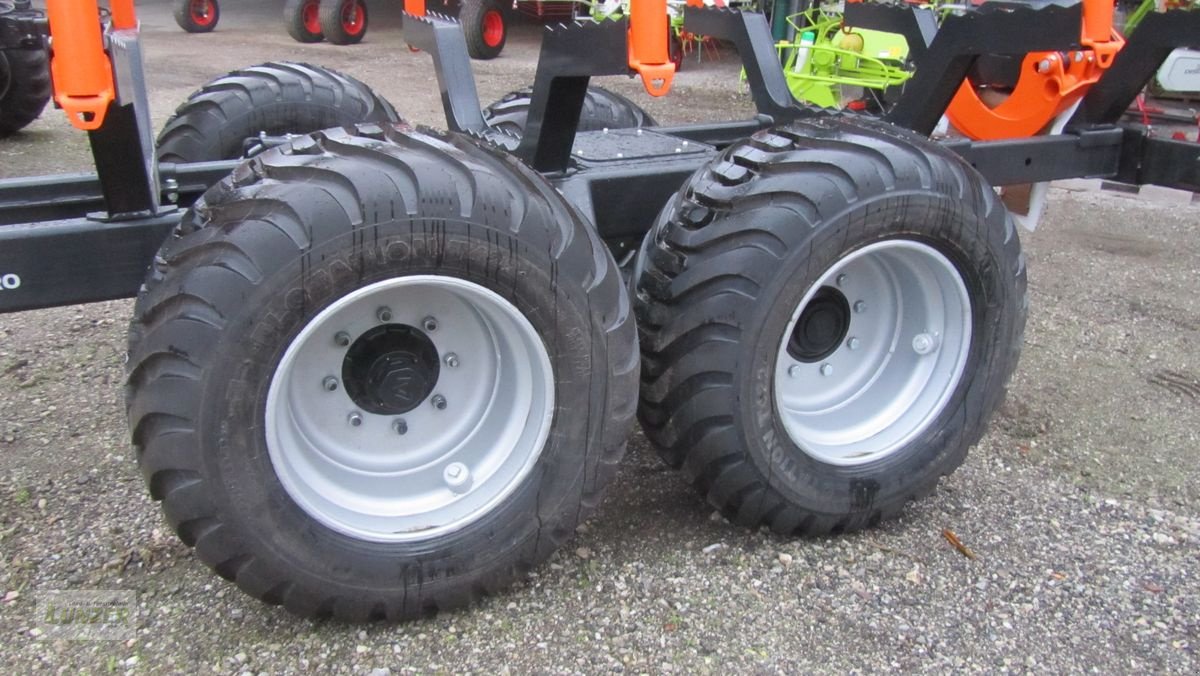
400, 426
854, 343
452, 360
794, 371
860, 306
924, 343
430, 324
330, 384
341, 339
826, 369
439, 402
841, 279
457, 477
355, 419
384, 314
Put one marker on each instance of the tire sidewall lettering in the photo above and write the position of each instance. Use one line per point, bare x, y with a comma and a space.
10, 282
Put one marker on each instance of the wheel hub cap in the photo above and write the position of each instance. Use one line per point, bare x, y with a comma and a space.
821, 327
391, 369
873, 352
387, 432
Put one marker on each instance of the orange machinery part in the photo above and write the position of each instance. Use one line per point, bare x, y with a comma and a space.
80, 68
123, 15
415, 7
1050, 83
648, 27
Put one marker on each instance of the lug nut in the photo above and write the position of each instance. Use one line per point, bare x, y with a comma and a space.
384, 314
924, 343
400, 426
826, 369
854, 343
439, 402
457, 477
452, 360
341, 339
794, 371
841, 279
330, 384
355, 419
860, 306
430, 324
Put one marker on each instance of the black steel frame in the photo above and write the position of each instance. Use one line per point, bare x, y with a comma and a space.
89, 237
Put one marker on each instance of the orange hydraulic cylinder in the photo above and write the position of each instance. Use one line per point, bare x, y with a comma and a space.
648, 28
81, 70
123, 15
1097, 20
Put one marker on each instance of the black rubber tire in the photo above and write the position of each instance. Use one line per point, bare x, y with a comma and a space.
297, 26
730, 258
26, 90
291, 231
472, 16
276, 98
188, 22
334, 26
602, 109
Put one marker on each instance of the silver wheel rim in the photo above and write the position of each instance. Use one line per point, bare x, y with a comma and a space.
430, 470
894, 368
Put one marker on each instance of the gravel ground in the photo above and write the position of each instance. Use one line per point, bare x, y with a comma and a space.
1081, 506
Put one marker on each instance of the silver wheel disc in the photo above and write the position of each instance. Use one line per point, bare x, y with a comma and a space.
873, 352
462, 444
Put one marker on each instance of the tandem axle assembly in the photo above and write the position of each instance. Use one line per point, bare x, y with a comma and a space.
375, 371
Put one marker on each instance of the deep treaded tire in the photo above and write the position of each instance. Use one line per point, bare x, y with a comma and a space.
344, 22
24, 88
728, 263
485, 26
197, 16
602, 109
289, 235
303, 20
276, 98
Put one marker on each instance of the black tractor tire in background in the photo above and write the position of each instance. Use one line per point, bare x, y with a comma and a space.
298, 229
602, 109
303, 20
344, 22
485, 25
197, 16
732, 257
24, 87
276, 98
